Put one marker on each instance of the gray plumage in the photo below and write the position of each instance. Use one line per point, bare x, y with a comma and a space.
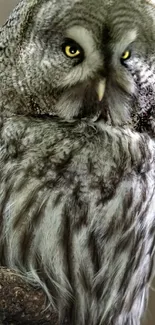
77, 172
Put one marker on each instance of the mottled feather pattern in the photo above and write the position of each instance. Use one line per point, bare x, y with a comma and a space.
77, 174
95, 224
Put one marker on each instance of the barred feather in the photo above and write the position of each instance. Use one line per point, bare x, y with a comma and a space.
77, 213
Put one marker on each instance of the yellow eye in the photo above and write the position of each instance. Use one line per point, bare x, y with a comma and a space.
126, 55
72, 51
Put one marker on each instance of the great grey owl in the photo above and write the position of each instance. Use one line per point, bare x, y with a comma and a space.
77, 154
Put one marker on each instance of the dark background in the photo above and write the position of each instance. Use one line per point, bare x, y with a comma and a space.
5, 7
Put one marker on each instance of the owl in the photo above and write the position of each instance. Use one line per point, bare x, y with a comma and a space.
77, 154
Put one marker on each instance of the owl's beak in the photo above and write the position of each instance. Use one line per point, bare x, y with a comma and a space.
101, 89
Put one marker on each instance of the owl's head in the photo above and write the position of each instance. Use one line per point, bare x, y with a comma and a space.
79, 59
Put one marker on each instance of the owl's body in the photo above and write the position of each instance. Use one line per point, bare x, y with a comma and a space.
77, 195
77, 204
